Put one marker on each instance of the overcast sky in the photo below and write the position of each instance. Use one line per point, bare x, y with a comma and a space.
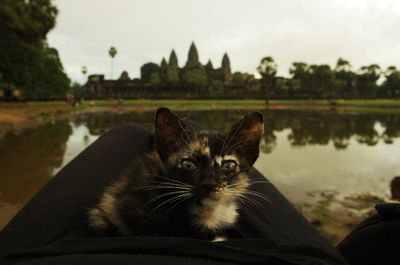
313, 31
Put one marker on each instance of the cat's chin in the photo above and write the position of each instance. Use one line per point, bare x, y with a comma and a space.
211, 214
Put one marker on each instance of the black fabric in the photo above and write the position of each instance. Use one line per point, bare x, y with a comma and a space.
52, 227
375, 240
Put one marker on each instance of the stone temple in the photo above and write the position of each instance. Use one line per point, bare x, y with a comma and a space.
223, 73
97, 85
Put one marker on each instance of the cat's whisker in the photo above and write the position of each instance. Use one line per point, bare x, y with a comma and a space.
246, 196
169, 200
246, 201
259, 182
232, 136
193, 130
242, 201
173, 180
232, 148
163, 195
251, 201
168, 183
160, 187
257, 194
184, 132
180, 200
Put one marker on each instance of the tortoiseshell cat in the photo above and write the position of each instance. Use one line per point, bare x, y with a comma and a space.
190, 185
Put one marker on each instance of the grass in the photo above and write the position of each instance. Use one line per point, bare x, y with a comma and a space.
180, 104
340, 102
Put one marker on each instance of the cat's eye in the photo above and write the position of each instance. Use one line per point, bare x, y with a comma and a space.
188, 164
228, 165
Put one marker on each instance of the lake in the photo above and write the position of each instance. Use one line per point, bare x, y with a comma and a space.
305, 154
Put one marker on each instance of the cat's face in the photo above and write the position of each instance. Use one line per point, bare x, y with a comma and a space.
209, 169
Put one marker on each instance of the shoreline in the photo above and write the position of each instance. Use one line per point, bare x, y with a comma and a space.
21, 115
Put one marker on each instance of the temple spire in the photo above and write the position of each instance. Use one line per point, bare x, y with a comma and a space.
226, 64
163, 68
193, 57
209, 64
226, 68
173, 61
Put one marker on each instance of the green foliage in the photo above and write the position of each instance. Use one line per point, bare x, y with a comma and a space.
391, 87
172, 77
195, 77
147, 70
112, 51
155, 79
77, 89
344, 78
29, 20
27, 63
267, 67
366, 80
299, 72
217, 85
238, 80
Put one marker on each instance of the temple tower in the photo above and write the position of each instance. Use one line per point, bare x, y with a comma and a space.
209, 65
226, 67
173, 62
163, 68
124, 76
193, 57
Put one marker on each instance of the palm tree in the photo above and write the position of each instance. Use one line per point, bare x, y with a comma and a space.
112, 52
84, 71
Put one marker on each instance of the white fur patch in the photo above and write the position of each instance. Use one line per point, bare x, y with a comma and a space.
207, 151
219, 159
213, 215
231, 157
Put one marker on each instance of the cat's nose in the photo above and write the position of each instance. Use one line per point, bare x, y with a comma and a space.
209, 182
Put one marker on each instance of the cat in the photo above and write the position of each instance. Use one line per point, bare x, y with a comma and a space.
191, 184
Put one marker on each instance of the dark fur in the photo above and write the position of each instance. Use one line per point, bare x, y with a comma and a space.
158, 195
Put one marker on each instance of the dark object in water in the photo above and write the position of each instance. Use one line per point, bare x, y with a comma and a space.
395, 188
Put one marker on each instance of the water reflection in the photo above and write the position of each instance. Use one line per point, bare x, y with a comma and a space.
302, 151
321, 128
305, 127
79, 139
27, 160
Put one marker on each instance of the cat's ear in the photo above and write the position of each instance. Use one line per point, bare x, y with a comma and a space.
245, 136
170, 132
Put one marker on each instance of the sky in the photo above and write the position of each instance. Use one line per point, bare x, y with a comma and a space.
313, 31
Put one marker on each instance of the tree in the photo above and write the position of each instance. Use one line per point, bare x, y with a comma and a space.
172, 77
366, 80
320, 79
391, 86
344, 77
238, 80
147, 70
299, 72
112, 52
195, 78
27, 63
155, 79
267, 70
217, 85
84, 71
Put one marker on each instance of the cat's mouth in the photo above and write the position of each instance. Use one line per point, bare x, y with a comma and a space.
212, 194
